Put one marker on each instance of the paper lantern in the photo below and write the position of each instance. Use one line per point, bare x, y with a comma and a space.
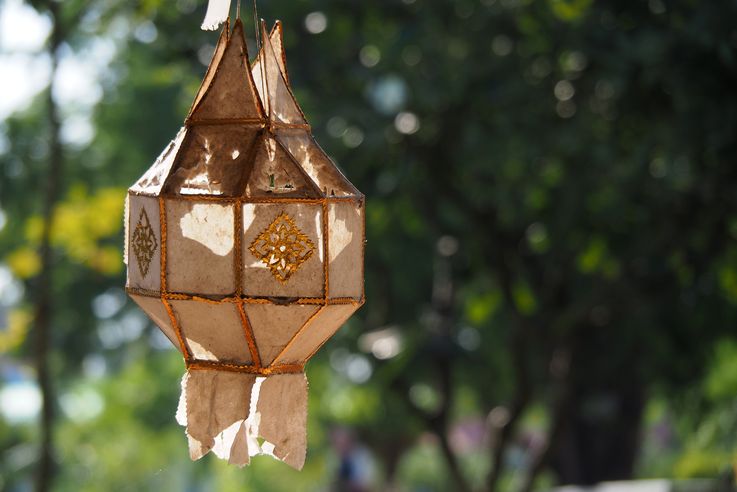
245, 245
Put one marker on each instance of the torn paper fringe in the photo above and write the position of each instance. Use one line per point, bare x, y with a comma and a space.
227, 413
217, 13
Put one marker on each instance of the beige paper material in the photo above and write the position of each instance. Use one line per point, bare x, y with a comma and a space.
283, 108
245, 246
345, 247
309, 278
225, 411
316, 163
231, 93
155, 310
153, 180
213, 332
239, 454
282, 404
274, 326
217, 56
277, 42
316, 332
144, 229
230, 146
275, 172
200, 238
215, 400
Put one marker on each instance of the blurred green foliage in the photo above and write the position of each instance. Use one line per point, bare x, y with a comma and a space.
551, 221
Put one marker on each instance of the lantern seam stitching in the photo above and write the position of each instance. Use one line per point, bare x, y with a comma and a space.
326, 254
174, 322
195, 364
250, 337
177, 296
255, 200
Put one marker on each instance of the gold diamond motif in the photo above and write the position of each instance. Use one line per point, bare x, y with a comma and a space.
144, 242
282, 247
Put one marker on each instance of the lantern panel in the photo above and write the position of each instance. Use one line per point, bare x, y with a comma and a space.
282, 404
144, 243
277, 43
212, 160
155, 310
283, 250
281, 105
217, 56
275, 173
274, 326
230, 94
345, 246
316, 163
223, 399
200, 259
153, 180
213, 331
316, 332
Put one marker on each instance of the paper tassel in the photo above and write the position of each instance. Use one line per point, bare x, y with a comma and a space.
217, 13
238, 415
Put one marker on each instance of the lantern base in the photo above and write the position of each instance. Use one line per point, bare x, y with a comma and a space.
238, 415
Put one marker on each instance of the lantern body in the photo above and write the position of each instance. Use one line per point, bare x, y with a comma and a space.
244, 244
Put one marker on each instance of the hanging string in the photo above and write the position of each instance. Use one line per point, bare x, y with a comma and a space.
256, 30
238, 10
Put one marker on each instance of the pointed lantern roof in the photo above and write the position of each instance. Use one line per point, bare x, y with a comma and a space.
245, 134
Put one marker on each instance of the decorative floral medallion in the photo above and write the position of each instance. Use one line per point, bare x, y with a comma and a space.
144, 242
282, 247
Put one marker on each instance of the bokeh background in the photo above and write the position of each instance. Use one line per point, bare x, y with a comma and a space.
552, 242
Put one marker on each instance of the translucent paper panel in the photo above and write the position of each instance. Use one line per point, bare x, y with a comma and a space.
231, 93
153, 180
214, 160
274, 326
316, 163
275, 172
214, 406
213, 332
345, 249
155, 310
283, 250
144, 243
282, 105
282, 404
318, 331
200, 242
212, 68
277, 44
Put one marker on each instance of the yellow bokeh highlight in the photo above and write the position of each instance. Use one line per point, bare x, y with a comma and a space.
19, 322
83, 223
24, 262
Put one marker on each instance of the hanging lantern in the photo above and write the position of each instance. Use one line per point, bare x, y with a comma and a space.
245, 246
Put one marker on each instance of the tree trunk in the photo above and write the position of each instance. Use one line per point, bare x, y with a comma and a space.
44, 289
600, 437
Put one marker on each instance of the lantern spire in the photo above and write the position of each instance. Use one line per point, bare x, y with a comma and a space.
228, 91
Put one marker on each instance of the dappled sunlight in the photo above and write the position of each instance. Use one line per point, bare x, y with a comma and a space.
210, 226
